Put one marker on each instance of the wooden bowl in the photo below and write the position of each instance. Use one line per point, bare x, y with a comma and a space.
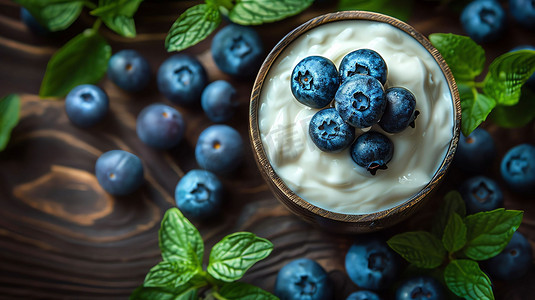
333, 221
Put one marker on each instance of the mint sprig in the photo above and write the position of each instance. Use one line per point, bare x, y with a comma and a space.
9, 117
400, 9
55, 15
180, 275
463, 241
501, 86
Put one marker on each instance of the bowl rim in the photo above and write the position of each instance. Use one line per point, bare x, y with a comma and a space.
258, 147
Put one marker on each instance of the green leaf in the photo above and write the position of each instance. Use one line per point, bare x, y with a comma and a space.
507, 74
400, 9
54, 14
454, 237
452, 203
193, 26
185, 292
84, 59
179, 239
118, 15
465, 279
9, 117
420, 248
254, 12
517, 115
489, 232
465, 58
235, 254
244, 291
122, 25
475, 108
170, 273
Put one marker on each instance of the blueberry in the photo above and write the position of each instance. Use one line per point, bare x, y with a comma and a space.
329, 132
119, 172
129, 70
361, 101
219, 149
314, 81
483, 20
363, 295
363, 62
518, 168
218, 101
160, 126
371, 264
199, 194
475, 152
237, 50
513, 262
531, 80
420, 288
524, 12
86, 105
32, 23
481, 193
182, 78
372, 150
400, 110
303, 279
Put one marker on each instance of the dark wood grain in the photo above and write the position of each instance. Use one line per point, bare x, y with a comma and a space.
61, 236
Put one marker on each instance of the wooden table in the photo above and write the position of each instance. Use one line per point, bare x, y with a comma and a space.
62, 236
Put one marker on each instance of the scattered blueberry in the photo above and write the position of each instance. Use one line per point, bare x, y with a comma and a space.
481, 193
32, 23
219, 149
524, 12
119, 172
531, 80
363, 295
518, 168
237, 50
400, 110
315, 81
160, 126
475, 152
182, 78
218, 101
129, 70
303, 279
513, 262
371, 264
483, 20
199, 194
361, 101
363, 62
372, 150
329, 132
420, 288
86, 105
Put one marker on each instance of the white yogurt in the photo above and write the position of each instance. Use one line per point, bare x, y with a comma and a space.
333, 181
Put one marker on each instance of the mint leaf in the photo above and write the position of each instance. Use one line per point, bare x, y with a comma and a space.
400, 9
517, 115
452, 203
465, 279
254, 12
489, 232
9, 117
84, 59
193, 26
475, 108
420, 248
179, 240
122, 25
507, 74
235, 254
244, 291
118, 15
454, 237
185, 292
465, 58
170, 273
53, 14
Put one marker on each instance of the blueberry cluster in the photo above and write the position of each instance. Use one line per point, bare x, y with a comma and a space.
360, 101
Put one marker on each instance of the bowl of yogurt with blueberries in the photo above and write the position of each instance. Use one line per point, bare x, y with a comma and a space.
354, 120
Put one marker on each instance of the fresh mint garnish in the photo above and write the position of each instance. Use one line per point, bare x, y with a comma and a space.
255, 12
180, 274
9, 117
400, 9
54, 15
453, 203
118, 15
501, 86
465, 279
517, 115
454, 237
420, 248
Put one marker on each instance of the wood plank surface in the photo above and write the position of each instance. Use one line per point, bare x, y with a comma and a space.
62, 236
